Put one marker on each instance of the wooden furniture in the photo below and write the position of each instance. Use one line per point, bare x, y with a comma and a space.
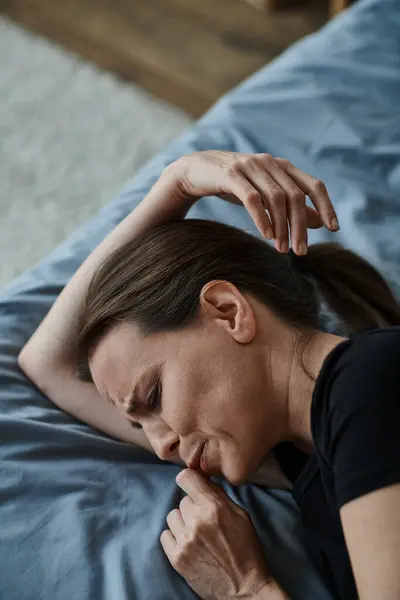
338, 5
189, 52
335, 6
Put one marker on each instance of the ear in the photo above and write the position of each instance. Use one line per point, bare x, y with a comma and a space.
222, 303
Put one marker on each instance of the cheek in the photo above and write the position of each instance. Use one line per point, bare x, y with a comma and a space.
237, 405
239, 423
235, 460
180, 405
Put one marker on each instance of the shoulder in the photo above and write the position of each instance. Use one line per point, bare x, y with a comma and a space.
356, 413
371, 357
361, 377
375, 348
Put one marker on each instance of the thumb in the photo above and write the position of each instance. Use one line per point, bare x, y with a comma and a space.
314, 220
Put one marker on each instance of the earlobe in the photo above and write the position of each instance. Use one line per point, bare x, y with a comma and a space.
248, 322
245, 327
224, 303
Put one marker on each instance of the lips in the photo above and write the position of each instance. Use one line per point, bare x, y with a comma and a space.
194, 462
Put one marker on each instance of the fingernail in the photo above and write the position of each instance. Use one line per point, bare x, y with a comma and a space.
285, 247
335, 224
268, 233
302, 248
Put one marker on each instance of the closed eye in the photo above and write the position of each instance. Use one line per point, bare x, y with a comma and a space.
155, 397
153, 403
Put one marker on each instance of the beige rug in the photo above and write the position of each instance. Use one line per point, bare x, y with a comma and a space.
70, 137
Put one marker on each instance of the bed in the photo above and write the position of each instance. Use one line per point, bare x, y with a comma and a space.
80, 513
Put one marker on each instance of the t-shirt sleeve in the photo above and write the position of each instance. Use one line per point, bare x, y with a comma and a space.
359, 420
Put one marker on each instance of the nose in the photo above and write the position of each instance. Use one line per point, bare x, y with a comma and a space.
167, 446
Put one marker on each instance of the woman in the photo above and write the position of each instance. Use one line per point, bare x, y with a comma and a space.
204, 344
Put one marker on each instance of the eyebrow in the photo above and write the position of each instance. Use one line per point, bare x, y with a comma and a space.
131, 405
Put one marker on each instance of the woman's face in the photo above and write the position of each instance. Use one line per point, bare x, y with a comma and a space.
215, 380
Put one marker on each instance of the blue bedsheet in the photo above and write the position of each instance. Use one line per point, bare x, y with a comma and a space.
81, 514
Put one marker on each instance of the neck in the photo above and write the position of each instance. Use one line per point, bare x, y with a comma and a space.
300, 386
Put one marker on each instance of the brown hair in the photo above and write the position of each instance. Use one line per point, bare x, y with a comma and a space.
155, 281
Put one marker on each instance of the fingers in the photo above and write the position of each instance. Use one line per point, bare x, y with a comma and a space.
176, 522
317, 192
197, 485
186, 509
274, 200
264, 183
168, 542
296, 207
314, 221
251, 199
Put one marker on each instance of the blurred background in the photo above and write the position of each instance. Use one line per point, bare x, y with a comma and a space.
91, 89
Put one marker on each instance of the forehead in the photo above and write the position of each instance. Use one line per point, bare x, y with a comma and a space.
123, 356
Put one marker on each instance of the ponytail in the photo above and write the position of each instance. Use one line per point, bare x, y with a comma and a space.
352, 288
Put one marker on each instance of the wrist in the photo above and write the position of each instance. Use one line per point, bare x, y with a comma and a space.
175, 174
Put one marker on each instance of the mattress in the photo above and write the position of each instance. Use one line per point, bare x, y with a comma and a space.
81, 514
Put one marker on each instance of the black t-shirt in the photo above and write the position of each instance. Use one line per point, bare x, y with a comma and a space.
355, 421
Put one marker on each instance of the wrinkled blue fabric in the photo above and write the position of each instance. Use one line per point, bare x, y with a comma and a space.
80, 513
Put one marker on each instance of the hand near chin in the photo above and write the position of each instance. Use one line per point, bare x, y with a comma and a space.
212, 542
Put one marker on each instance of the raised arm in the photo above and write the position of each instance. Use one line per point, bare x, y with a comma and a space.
49, 357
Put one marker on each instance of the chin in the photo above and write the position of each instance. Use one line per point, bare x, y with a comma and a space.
236, 481
236, 477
